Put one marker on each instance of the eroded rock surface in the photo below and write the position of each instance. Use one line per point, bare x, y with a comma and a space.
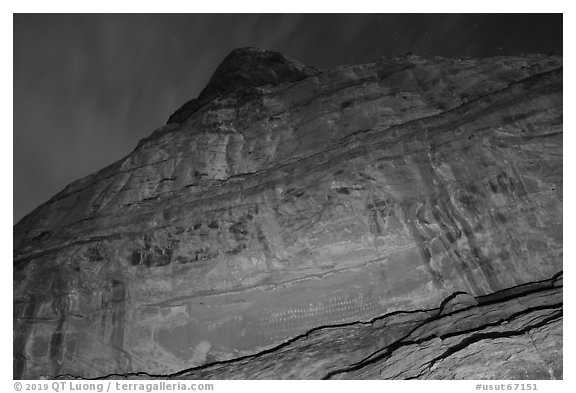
284, 198
511, 334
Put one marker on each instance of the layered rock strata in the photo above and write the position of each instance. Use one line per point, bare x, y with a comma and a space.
284, 199
512, 334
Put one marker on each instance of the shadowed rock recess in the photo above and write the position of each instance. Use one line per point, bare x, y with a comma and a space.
400, 219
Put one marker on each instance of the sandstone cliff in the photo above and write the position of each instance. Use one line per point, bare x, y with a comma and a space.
398, 219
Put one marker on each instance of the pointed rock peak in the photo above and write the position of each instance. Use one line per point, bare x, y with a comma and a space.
252, 67
244, 68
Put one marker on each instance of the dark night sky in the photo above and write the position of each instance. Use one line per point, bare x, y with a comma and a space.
88, 87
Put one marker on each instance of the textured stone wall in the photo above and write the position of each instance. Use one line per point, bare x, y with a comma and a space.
274, 204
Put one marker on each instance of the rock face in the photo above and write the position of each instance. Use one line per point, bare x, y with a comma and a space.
398, 219
511, 334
